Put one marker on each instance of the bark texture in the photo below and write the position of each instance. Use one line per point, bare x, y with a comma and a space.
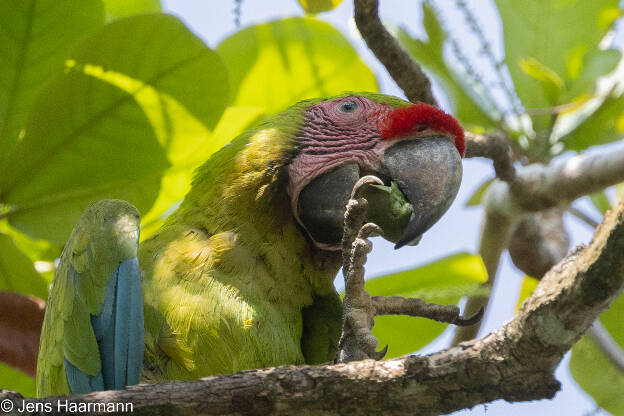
514, 363
402, 68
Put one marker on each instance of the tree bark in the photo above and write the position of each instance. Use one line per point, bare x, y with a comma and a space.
515, 363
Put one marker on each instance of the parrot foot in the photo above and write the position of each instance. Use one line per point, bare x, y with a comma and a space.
357, 341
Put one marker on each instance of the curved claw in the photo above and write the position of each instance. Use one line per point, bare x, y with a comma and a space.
364, 180
378, 355
461, 321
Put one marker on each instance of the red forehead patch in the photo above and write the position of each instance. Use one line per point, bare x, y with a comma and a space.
404, 121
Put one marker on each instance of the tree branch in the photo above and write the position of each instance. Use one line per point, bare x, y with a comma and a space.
539, 187
514, 363
21, 318
493, 146
536, 188
402, 68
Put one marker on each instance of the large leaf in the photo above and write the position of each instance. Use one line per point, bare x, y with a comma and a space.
477, 196
110, 126
601, 202
14, 380
444, 281
593, 371
551, 34
464, 101
605, 125
276, 64
597, 376
592, 65
122, 8
612, 321
528, 286
191, 153
17, 273
35, 38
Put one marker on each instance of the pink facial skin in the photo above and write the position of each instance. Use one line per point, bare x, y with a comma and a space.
355, 129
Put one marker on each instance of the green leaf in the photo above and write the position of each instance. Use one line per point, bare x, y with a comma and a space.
605, 125
14, 380
593, 371
318, 6
550, 32
276, 64
132, 99
528, 286
35, 38
595, 374
444, 281
122, 8
593, 65
600, 201
17, 273
477, 195
612, 320
466, 104
551, 83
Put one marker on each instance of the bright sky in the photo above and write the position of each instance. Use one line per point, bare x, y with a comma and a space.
459, 228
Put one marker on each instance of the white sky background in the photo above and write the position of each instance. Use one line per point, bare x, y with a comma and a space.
459, 228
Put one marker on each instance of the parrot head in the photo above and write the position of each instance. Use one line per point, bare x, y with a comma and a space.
416, 150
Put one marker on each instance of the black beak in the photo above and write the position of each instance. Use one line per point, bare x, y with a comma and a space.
428, 173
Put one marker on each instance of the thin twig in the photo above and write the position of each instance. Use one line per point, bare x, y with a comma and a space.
487, 50
494, 146
402, 68
464, 61
607, 344
579, 214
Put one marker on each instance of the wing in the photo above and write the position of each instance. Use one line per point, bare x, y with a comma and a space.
93, 335
322, 323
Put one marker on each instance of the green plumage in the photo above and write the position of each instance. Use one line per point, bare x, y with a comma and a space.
230, 282
106, 235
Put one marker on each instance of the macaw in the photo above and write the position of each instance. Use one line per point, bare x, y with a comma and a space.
241, 274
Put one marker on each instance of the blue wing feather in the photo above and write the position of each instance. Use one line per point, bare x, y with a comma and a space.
119, 332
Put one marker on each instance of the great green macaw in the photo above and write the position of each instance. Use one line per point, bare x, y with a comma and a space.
241, 275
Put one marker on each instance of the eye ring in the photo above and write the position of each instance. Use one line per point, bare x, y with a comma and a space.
348, 107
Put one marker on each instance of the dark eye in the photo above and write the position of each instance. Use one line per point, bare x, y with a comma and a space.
421, 127
348, 107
